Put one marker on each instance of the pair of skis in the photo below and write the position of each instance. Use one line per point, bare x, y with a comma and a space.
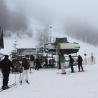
26, 82
10, 86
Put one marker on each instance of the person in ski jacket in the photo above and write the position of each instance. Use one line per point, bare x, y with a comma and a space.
71, 61
37, 63
5, 66
46, 61
80, 60
62, 61
25, 65
32, 58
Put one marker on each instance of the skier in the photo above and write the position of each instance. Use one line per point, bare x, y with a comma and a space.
37, 63
92, 59
53, 62
62, 61
46, 62
31, 62
80, 60
85, 59
71, 61
5, 66
25, 65
50, 63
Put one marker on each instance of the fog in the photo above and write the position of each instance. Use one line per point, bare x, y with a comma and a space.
12, 21
82, 31
76, 18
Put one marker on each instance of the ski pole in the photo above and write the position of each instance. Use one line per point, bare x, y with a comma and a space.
15, 75
15, 79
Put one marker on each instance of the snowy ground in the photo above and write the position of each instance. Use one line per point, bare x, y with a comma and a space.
49, 83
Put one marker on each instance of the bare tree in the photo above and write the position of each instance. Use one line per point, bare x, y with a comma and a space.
43, 36
83, 32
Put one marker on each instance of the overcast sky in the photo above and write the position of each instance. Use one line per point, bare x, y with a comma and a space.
48, 11
62, 15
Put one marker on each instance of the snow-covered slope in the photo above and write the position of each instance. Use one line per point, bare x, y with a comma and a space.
49, 83
23, 42
26, 42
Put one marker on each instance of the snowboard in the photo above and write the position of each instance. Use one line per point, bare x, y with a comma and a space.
10, 86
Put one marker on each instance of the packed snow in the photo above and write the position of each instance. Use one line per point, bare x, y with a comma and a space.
49, 83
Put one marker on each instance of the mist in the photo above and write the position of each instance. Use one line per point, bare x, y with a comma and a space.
77, 18
82, 31
12, 21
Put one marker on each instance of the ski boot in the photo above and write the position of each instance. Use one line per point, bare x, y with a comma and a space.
27, 81
21, 82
